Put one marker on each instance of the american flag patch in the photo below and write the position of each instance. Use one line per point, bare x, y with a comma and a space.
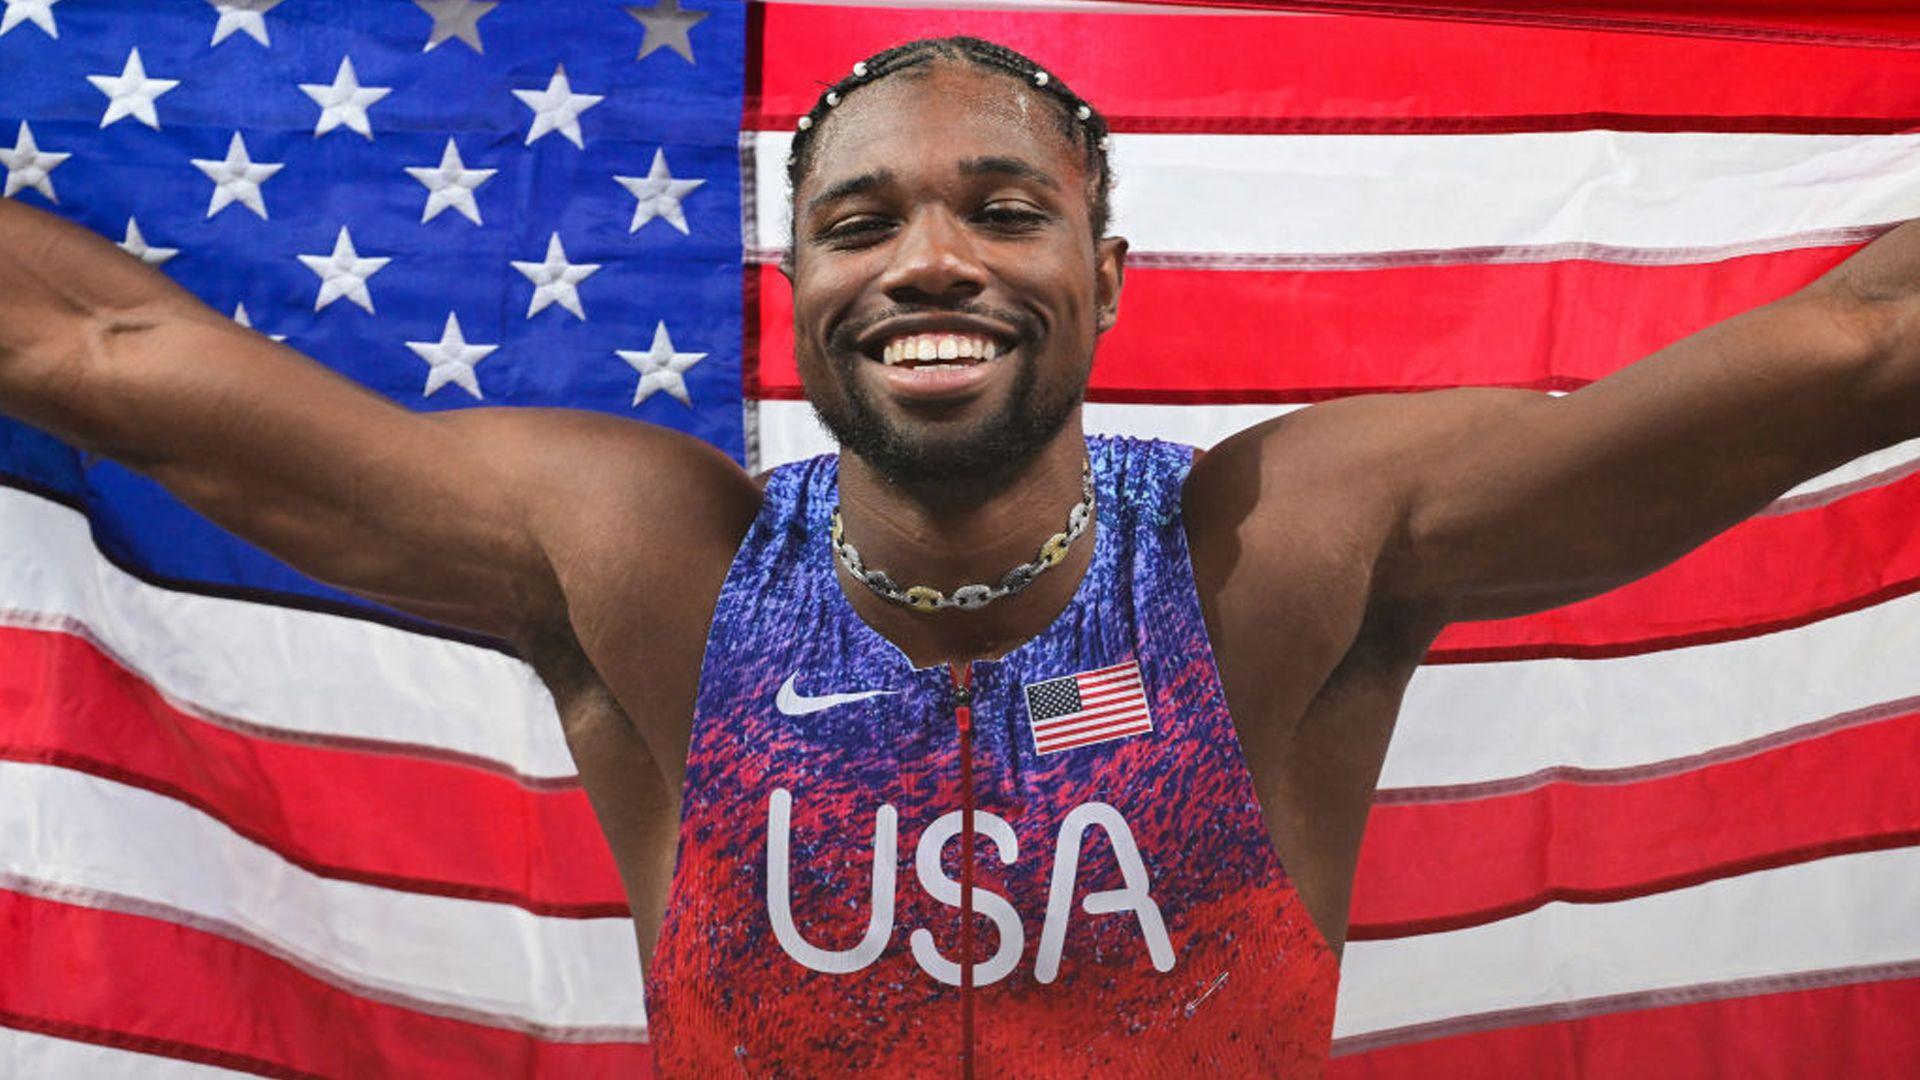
1088, 707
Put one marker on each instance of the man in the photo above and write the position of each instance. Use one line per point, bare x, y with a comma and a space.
1122, 711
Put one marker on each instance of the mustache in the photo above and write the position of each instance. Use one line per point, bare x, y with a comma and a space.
845, 337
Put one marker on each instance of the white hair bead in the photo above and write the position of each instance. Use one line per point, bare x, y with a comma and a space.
1083, 112
833, 98
1040, 78
860, 69
806, 122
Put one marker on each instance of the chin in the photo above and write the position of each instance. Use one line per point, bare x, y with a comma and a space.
907, 450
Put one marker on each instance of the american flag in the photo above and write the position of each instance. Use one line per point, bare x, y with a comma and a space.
250, 824
1087, 707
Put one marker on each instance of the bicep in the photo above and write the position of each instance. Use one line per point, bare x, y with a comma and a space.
1519, 501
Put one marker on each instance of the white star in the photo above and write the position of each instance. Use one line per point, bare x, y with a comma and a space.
659, 195
555, 281
455, 19
136, 245
345, 101
40, 11
450, 184
247, 16
557, 108
343, 273
236, 179
451, 359
131, 93
240, 316
667, 27
28, 166
660, 367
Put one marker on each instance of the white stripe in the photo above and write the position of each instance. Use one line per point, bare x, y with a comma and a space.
71, 831
1359, 194
26, 1054
789, 432
1839, 912
346, 677
1467, 723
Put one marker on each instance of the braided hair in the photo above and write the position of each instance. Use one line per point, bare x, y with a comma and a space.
1079, 121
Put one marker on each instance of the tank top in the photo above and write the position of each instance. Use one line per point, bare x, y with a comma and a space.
1084, 797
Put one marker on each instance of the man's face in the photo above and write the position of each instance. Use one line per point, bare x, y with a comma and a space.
946, 211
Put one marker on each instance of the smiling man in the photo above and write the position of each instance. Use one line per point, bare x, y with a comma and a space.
985, 746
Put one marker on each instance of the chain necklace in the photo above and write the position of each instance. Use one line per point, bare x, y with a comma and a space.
970, 597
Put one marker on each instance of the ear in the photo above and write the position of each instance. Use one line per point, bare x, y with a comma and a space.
1109, 273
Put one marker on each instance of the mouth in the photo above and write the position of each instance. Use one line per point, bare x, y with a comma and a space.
939, 360
935, 350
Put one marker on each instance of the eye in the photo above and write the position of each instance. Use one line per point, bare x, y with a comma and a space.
854, 231
1012, 217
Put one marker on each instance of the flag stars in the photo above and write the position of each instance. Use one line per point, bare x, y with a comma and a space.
661, 368
557, 108
246, 16
455, 19
237, 178
28, 166
344, 101
131, 93
451, 359
136, 245
38, 12
450, 184
556, 281
658, 194
343, 273
667, 25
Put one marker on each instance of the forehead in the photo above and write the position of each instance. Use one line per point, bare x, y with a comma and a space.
937, 116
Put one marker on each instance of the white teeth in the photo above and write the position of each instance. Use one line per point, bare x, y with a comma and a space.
921, 348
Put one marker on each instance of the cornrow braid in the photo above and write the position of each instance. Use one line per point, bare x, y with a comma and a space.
1080, 122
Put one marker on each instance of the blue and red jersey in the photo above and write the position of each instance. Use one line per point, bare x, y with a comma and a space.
1052, 863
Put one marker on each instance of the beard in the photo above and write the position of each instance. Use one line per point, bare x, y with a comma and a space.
991, 452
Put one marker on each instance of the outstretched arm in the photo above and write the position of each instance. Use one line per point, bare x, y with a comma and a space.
446, 516
1513, 501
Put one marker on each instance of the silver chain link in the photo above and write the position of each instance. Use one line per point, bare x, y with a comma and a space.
970, 597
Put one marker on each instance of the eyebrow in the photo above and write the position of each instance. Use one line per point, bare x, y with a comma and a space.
852, 185
1007, 166
976, 166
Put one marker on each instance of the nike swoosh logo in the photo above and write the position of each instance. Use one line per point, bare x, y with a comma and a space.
794, 703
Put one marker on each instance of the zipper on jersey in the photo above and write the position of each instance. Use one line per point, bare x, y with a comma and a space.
962, 675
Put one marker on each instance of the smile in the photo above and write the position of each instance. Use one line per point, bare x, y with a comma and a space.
938, 350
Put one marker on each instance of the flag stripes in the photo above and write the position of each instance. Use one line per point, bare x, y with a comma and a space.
1088, 707
1668, 830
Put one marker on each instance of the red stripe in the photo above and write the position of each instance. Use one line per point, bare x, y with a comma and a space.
1861, 1029
150, 985
393, 820
1094, 682
1435, 866
1130, 688
1308, 335
1216, 73
1768, 574
1085, 716
1081, 726
1104, 734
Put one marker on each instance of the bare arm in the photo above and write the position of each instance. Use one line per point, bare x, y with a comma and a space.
1510, 501
445, 516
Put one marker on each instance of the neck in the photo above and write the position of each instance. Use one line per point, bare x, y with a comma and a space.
951, 535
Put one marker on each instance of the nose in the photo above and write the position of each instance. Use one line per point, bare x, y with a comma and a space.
934, 261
